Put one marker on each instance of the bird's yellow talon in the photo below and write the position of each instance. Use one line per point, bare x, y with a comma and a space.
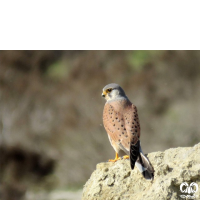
116, 158
126, 157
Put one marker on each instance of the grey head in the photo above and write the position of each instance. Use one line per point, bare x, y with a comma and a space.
113, 91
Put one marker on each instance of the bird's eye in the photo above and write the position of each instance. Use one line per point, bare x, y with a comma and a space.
109, 90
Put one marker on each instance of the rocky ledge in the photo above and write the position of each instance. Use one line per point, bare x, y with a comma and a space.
116, 181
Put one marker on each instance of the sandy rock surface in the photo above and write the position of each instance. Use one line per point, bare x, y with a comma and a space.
116, 181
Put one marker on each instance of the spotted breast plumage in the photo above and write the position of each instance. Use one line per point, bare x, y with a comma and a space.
121, 122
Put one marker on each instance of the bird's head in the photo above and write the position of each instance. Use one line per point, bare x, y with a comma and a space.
113, 91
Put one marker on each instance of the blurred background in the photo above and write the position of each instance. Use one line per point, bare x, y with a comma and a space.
51, 131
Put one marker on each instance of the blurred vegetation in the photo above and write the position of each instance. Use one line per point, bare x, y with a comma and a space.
51, 131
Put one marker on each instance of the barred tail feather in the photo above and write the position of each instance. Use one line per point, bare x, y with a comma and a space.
141, 161
145, 167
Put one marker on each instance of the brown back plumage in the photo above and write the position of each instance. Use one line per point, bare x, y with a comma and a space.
121, 122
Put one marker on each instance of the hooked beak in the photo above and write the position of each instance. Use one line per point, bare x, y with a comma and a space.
103, 94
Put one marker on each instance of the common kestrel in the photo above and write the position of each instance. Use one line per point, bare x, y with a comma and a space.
121, 122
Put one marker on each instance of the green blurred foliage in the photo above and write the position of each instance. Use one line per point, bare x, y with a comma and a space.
58, 70
138, 58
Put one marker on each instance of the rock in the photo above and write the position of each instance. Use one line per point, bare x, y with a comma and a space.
116, 181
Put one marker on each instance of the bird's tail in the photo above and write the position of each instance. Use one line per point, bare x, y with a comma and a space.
144, 166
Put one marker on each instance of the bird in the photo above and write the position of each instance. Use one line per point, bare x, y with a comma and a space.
121, 122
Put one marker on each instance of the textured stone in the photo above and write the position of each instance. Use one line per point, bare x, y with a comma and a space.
116, 181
